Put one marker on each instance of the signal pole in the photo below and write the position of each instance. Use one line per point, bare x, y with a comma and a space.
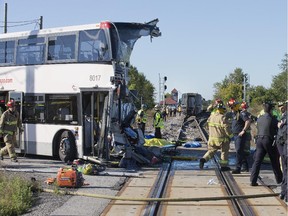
41, 22
164, 89
5, 18
159, 89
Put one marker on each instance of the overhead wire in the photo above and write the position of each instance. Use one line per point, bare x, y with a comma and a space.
20, 23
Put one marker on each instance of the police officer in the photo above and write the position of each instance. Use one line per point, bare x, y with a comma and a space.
9, 122
282, 147
158, 122
240, 124
219, 137
141, 118
267, 129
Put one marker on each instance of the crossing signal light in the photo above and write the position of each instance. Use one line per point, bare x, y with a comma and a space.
165, 87
165, 78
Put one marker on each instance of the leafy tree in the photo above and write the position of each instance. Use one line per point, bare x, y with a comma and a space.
143, 87
231, 86
279, 82
258, 94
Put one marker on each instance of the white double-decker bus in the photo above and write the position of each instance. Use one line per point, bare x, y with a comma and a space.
66, 83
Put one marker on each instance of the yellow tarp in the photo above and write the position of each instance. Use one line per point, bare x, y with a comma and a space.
156, 142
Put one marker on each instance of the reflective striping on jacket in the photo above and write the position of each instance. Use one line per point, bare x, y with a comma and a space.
217, 140
223, 162
11, 123
6, 132
212, 124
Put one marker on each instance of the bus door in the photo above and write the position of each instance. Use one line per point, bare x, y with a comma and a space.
18, 98
94, 108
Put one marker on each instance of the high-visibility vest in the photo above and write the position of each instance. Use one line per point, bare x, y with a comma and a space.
141, 116
158, 120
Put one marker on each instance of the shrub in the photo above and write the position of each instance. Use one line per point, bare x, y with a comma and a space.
16, 194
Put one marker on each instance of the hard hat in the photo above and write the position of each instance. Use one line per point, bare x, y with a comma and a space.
232, 102
11, 103
218, 101
244, 105
157, 107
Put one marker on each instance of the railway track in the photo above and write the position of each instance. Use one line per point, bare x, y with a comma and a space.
179, 187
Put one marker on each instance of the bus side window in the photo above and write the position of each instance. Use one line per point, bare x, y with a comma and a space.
63, 112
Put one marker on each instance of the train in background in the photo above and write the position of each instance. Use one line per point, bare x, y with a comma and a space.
191, 103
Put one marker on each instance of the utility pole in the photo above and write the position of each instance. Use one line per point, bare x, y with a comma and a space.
244, 87
5, 18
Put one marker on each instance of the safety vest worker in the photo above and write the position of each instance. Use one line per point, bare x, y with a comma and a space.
158, 122
9, 122
141, 118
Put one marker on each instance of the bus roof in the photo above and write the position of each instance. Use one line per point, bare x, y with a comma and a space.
103, 24
50, 30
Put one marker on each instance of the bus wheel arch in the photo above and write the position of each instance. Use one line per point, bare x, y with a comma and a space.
64, 146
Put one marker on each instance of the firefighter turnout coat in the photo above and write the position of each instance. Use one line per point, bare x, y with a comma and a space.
219, 137
9, 122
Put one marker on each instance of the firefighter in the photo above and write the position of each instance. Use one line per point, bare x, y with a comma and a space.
141, 118
158, 122
240, 125
282, 148
213, 107
219, 137
266, 132
9, 122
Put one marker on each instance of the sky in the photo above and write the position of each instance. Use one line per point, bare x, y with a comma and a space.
202, 40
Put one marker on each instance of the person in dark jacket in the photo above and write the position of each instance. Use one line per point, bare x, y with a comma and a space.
267, 130
281, 141
240, 124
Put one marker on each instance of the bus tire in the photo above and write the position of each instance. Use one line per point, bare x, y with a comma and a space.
67, 147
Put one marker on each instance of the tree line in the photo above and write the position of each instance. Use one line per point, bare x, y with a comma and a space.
230, 87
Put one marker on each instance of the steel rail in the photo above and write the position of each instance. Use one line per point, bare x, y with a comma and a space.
240, 206
152, 208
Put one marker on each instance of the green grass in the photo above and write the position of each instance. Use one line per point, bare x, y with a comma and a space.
15, 194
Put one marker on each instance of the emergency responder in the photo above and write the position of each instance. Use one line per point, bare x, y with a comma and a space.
245, 164
179, 109
275, 112
158, 122
281, 141
164, 113
266, 132
240, 124
219, 137
141, 118
212, 107
9, 122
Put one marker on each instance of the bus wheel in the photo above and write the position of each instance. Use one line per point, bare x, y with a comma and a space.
67, 147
